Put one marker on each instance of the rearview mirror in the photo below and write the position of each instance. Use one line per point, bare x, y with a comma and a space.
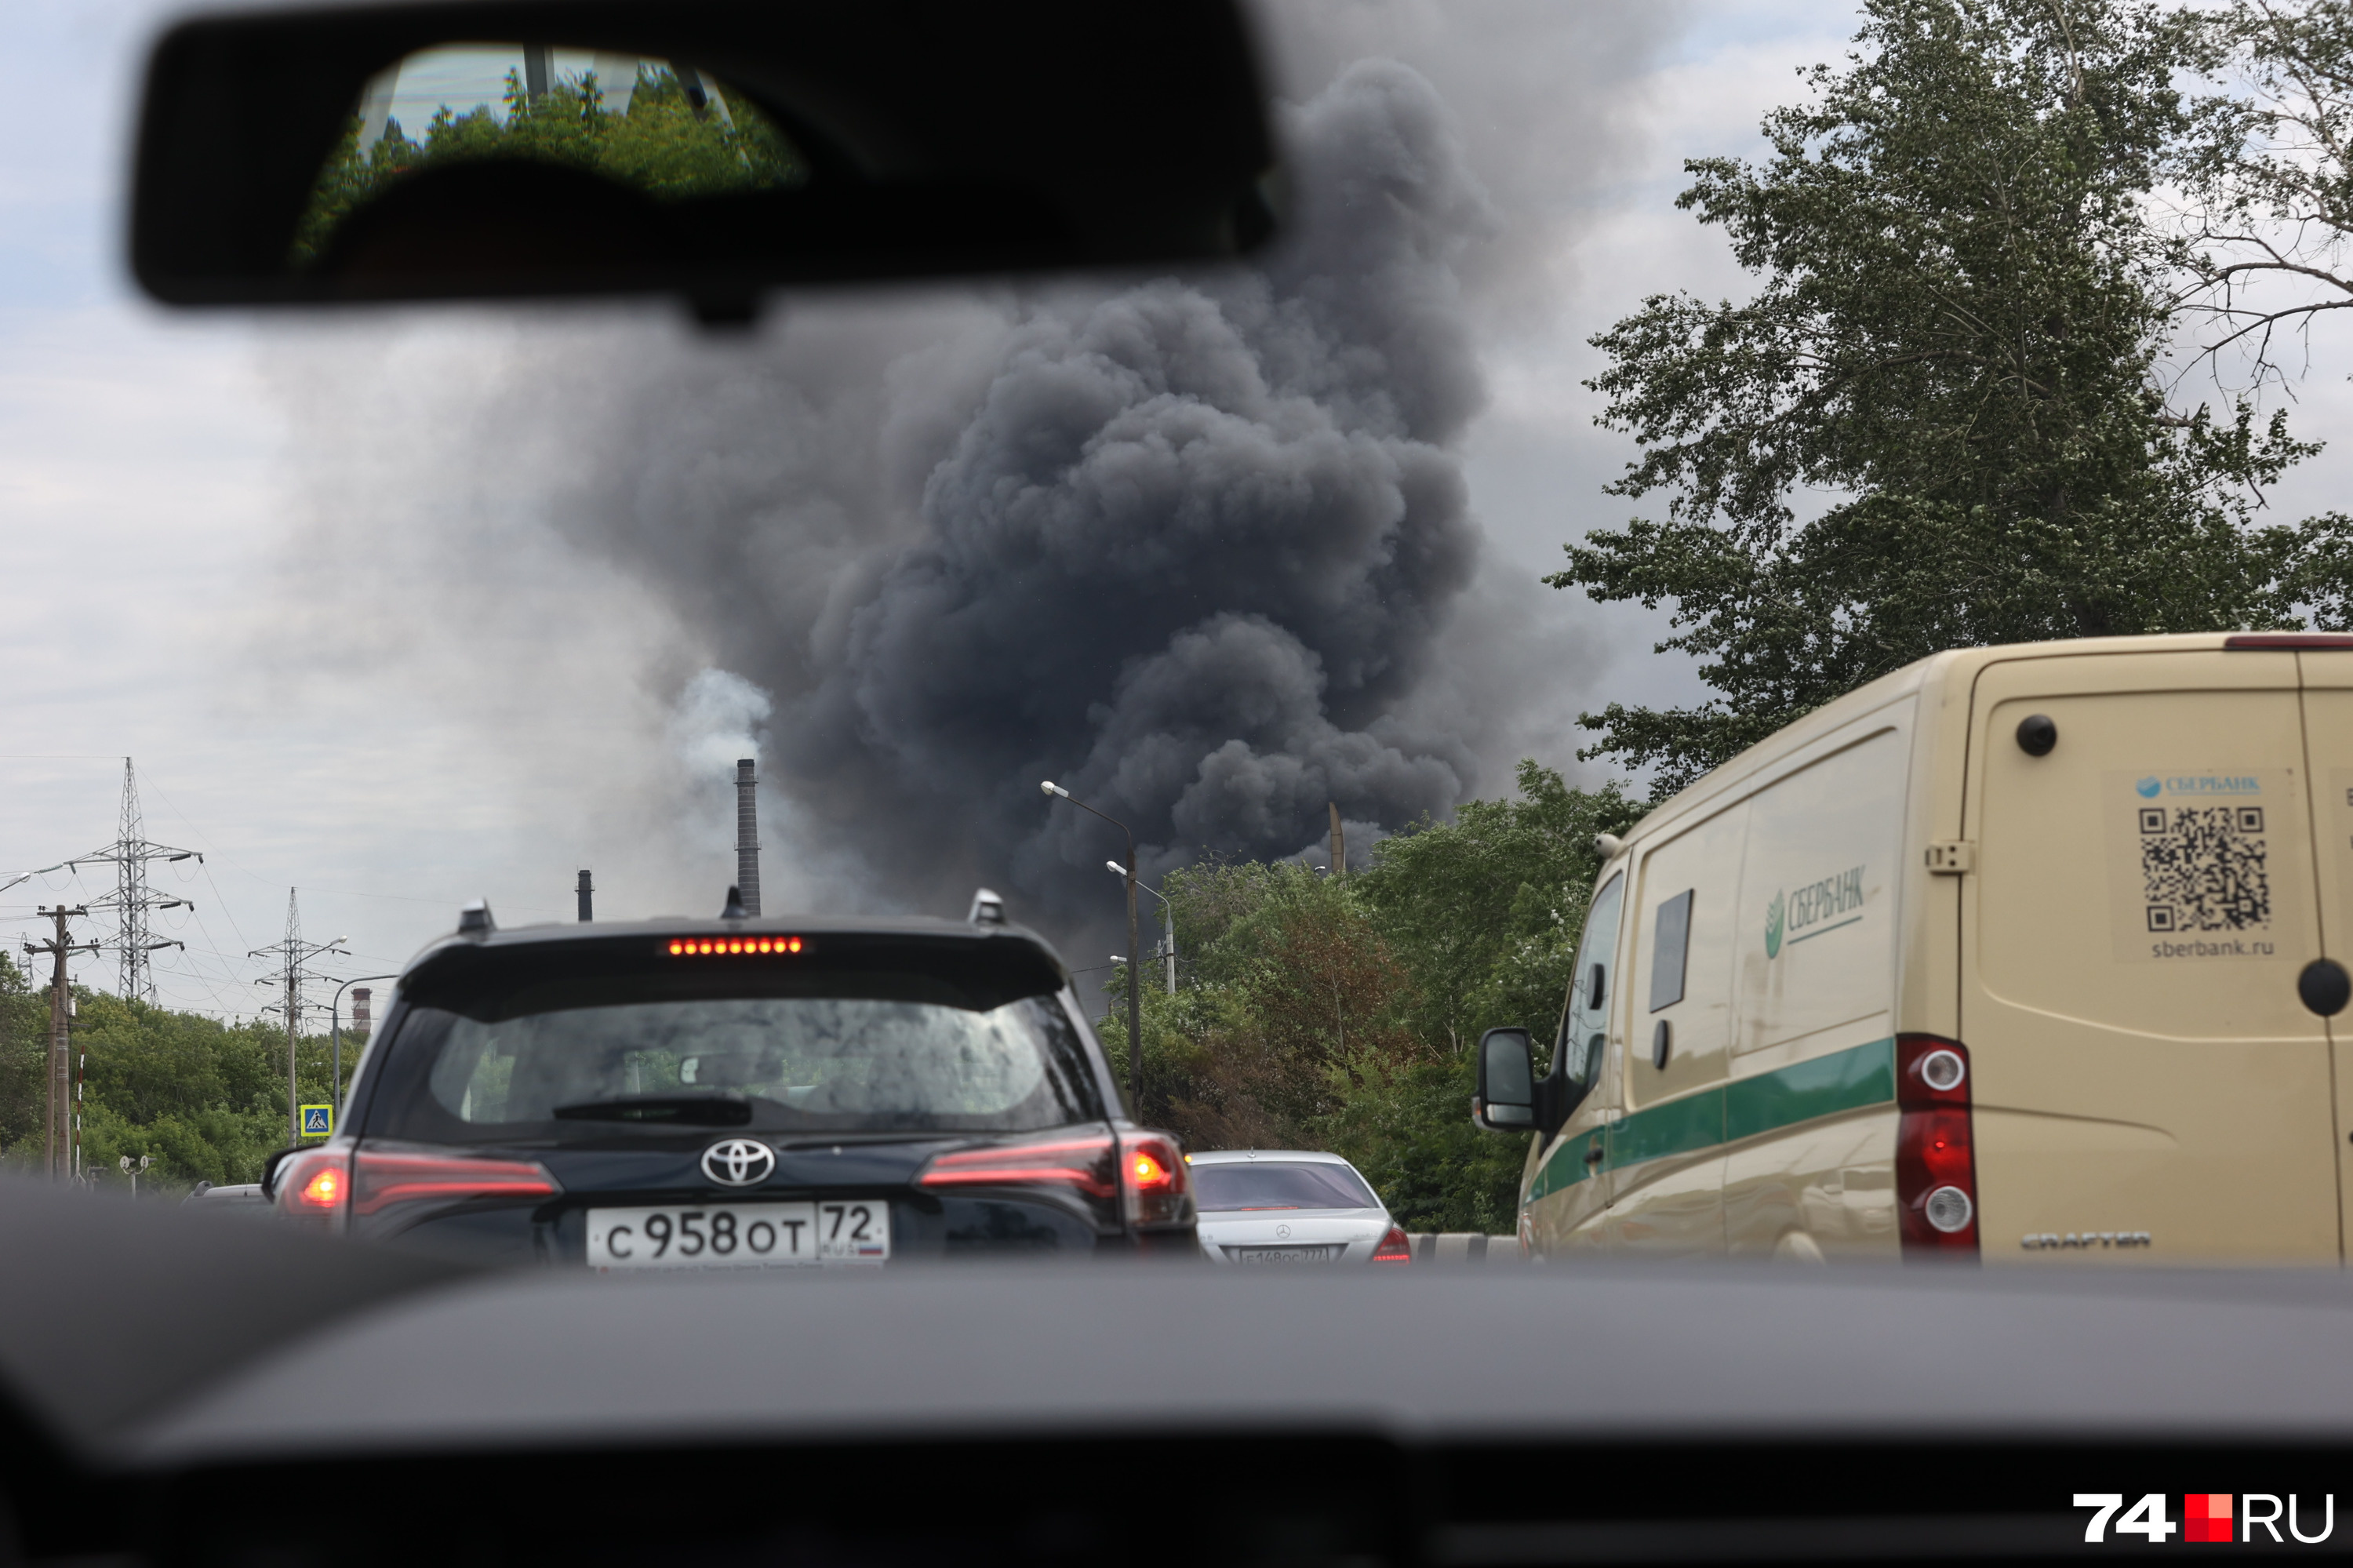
1506, 1099
707, 148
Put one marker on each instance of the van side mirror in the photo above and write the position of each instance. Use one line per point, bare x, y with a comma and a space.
1596, 987
1506, 1098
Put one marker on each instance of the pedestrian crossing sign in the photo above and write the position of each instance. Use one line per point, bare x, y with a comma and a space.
318, 1121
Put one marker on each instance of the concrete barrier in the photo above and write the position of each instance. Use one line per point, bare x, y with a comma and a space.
1462, 1247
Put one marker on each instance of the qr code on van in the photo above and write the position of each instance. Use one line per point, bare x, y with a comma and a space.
2202, 868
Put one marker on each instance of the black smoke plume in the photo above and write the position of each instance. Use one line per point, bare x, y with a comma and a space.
1184, 545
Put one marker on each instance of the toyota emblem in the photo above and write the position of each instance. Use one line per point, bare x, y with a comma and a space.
739, 1162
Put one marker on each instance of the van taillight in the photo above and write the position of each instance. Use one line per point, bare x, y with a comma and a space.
1395, 1247
1935, 1162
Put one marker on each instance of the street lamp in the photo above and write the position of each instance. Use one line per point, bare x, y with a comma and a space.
335, 1027
1134, 997
1168, 918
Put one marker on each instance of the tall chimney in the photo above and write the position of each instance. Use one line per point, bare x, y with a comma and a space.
1339, 843
360, 1021
748, 836
587, 895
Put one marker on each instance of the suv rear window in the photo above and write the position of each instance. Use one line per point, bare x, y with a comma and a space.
857, 1046
1277, 1184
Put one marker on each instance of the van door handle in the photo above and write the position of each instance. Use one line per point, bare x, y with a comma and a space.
1593, 1156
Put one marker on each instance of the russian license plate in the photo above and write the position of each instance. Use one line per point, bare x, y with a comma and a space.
1282, 1255
740, 1236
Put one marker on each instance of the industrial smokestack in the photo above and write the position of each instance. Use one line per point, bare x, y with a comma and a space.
587, 895
361, 1023
748, 836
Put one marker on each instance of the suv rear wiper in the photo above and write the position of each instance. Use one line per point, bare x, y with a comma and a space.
678, 1110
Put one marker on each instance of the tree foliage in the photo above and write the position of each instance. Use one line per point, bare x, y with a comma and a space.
664, 146
1326, 1013
1954, 334
206, 1099
2269, 163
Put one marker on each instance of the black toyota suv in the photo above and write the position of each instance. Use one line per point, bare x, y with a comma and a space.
740, 1093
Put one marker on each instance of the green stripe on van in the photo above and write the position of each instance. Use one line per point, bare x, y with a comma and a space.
1677, 1127
1568, 1165
1843, 1081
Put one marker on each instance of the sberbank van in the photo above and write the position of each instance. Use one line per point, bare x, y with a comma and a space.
2029, 954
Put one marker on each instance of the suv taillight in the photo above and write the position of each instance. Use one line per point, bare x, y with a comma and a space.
313, 1186
1083, 1165
331, 1188
1395, 1247
1154, 1181
1143, 1171
1935, 1162
383, 1179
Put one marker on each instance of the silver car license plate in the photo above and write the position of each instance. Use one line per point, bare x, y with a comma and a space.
740, 1236
1282, 1255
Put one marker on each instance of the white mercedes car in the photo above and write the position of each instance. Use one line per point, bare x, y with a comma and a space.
1290, 1206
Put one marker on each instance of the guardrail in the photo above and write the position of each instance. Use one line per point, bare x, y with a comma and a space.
1462, 1247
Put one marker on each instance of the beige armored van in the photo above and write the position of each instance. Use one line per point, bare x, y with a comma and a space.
2033, 953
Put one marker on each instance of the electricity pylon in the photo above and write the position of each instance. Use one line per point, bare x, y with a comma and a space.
131, 901
294, 956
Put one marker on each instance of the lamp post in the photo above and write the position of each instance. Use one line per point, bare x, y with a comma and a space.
335, 1027
1134, 997
1168, 918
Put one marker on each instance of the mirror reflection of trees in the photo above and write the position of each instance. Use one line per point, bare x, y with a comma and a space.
673, 140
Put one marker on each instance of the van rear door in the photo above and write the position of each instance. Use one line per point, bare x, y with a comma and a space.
2326, 673
2147, 1085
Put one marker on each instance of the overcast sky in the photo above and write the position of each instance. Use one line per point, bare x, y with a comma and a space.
166, 483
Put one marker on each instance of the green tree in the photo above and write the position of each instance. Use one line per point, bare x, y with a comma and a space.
1959, 310
1335, 1012
1484, 911
24, 1055
665, 146
206, 1099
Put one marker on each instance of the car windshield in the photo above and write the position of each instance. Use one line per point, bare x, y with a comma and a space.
1278, 1184
823, 1063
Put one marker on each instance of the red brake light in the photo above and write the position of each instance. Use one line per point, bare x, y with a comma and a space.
696, 947
1158, 1183
382, 1178
1144, 1172
1394, 1247
312, 1186
1083, 1164
1935, 1161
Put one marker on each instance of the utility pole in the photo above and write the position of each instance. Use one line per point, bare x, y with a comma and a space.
58, 1143
587, 891
294, 956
